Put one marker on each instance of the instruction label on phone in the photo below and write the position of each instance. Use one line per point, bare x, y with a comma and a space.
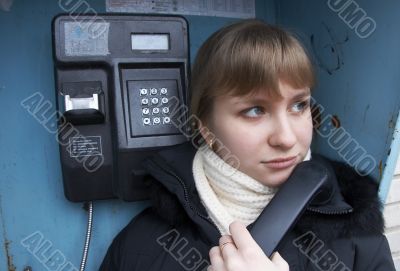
221, 8
85, 146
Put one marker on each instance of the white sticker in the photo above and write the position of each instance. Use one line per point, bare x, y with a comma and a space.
221, 8
85, 146
86, 38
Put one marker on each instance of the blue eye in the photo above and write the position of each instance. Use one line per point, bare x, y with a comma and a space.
254, 112
300, 106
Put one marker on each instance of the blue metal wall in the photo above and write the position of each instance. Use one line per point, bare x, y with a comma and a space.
362, 93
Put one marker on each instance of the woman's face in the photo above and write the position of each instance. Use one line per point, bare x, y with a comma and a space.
268, 136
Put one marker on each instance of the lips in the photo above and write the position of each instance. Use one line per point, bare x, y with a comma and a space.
281, 163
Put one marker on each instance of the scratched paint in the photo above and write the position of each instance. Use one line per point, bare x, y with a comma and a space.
6, 242
10, 265
335, 121
327, 48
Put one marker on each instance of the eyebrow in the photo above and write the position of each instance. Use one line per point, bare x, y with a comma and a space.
255, 100
301, 95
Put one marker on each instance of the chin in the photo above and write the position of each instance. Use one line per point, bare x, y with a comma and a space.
277, 180
275, 183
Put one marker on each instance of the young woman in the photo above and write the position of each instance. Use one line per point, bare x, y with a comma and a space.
251, 100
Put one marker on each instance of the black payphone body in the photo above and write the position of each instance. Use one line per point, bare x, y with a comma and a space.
121, 83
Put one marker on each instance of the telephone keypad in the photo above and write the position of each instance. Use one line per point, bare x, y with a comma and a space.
153, 106
154, 102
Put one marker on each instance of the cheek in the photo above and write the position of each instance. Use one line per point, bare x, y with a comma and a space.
237, 138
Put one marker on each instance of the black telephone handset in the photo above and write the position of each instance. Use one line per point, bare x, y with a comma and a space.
308, 180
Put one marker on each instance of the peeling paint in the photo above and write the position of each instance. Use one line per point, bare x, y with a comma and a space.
10, 265
392, 123
380, 169
335, 121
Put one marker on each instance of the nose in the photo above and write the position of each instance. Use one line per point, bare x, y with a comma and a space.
283, 134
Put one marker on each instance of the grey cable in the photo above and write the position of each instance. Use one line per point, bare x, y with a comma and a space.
89, 207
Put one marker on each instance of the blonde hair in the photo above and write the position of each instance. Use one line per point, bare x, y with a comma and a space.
246, 57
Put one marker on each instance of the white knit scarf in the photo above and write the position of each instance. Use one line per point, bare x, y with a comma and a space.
227, 193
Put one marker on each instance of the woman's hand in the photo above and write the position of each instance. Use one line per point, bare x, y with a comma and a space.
240, 252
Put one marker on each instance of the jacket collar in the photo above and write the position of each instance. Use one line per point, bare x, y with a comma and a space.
172, 168
174, 190
331, 202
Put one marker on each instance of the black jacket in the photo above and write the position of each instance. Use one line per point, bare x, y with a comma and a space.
344, 233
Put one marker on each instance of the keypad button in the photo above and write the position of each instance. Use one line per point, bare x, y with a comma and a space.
164, 100
165, 110
156, 110
154, 100
143, 91
153, 91
145, 101
166, 120
156, 120
146, 121
163, 91
145, 111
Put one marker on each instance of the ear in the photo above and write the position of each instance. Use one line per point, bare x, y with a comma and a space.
205, 132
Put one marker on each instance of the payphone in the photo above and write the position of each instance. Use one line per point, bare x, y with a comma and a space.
121, 83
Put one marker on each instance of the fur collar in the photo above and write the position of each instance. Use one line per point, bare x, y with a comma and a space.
360, 193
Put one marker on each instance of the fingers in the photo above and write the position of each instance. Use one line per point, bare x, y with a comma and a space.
227, 246
279, 262
220, 255
228, 256
241, 236
216, 260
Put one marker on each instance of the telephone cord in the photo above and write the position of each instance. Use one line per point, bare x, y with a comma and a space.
89, 207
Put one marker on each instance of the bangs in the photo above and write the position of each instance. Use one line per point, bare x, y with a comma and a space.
255, 60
